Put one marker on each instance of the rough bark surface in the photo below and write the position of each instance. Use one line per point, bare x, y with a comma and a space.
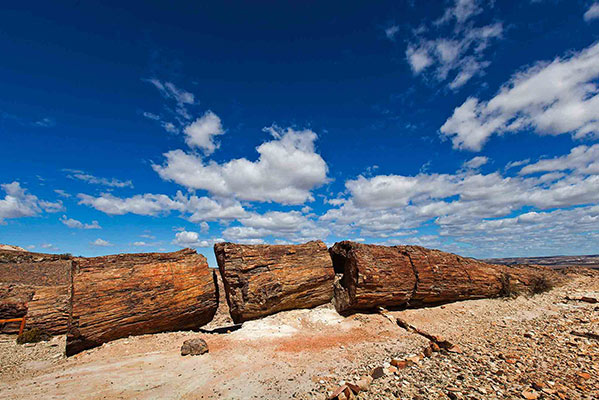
133, 294
261, 280
36, 286
399, 276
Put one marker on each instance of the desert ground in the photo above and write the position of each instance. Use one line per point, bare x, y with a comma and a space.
524, 347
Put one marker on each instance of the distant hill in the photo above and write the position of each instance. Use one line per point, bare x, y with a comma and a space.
591, 261
9, 247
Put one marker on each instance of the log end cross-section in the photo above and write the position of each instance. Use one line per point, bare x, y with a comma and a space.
399, 276
260, 280
133, 294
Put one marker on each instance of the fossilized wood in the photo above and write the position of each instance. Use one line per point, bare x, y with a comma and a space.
37, 286
373, 276
400, 276
13, 301
133, 294
261, 280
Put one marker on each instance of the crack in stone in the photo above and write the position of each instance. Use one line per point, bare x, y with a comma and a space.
417, 279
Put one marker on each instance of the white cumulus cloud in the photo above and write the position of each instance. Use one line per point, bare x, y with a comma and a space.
19, 203
286, 171
551, 98
73, 223
200, 134
191, 239
101, 243
196, 209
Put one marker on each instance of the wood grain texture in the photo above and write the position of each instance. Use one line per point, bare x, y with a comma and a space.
37, 286
260, 280
134, 294
404, 276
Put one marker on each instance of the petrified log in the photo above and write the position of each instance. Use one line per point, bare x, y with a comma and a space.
37, 286
133, 294
400, 276
261, 280
13, 301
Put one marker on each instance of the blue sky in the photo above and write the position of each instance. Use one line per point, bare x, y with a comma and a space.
463, 125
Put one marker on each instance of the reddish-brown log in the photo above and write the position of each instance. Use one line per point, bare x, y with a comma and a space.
261, 280
400, 276
133, 294
37, 286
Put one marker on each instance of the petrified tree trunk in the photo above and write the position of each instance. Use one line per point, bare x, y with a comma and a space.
383, 276
37, 286
134, 294
261, 280
13, 300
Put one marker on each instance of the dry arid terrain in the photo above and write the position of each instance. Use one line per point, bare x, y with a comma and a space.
525, 347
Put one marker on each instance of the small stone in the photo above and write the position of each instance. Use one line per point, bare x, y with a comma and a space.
364, 383
413, 359
194, 347
399, 364
337, 392
530, 394
452, 396
377, 373
584, 375
434, 347
455, 349
428, 352
538, 385
355, 387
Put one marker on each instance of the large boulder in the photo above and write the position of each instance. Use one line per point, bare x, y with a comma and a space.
133, 294
261, 280
399, 276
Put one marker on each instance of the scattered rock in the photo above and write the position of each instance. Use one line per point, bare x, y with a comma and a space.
343, 389
428, 352
530, 394
194, 347
377, 373
584, 375
455, 349
363, 383
399, 364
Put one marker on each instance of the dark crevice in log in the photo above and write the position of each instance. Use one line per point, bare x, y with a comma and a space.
415, 277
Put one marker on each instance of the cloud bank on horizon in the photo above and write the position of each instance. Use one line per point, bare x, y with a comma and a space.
470, 142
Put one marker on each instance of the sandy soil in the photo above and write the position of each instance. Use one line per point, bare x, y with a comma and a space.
305, 354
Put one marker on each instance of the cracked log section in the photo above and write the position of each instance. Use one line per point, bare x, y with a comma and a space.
403, 276
261, 280
36, 286
133, 294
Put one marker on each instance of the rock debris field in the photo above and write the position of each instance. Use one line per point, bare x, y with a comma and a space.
539, 347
